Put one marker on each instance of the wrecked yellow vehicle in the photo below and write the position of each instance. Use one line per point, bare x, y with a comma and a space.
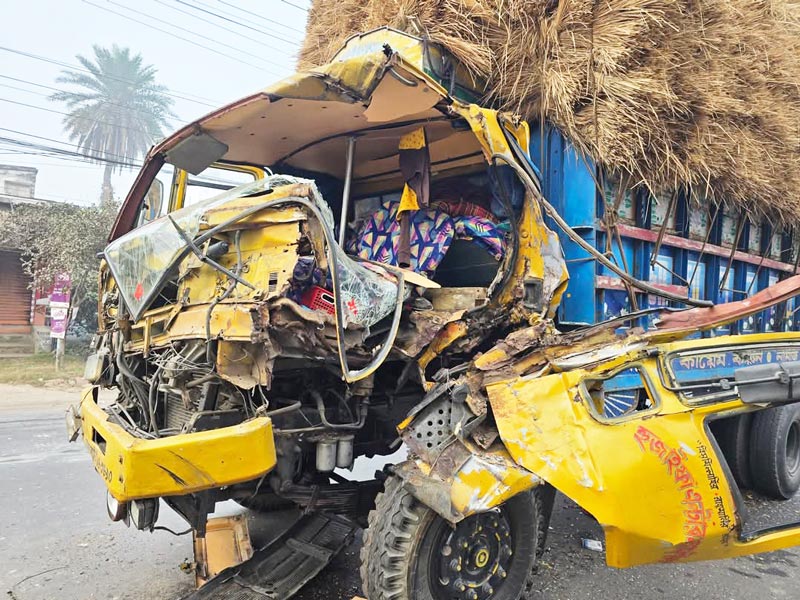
382, 276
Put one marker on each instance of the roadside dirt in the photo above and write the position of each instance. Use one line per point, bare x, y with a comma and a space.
20, 397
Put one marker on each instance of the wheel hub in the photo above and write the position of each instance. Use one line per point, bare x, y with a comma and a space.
474, 557
481, 558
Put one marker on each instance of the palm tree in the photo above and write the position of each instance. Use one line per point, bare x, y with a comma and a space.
118, 110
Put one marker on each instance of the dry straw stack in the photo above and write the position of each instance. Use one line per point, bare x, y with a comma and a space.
700, 92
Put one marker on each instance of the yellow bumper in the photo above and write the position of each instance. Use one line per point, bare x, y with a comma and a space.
134, 468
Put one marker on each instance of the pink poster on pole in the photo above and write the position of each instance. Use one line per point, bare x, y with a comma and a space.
59, 306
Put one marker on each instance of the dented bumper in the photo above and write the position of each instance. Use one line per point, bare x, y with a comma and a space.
135, 468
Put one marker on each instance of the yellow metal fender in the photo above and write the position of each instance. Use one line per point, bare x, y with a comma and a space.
465, 479
134, 468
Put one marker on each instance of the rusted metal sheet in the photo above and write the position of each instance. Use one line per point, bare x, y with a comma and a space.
707, 318
613, 283
225, 544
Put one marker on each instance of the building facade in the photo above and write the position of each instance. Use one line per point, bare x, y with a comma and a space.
17, 186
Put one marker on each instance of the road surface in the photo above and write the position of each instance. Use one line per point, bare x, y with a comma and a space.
57, 543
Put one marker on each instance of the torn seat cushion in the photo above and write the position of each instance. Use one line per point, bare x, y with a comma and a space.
432, 232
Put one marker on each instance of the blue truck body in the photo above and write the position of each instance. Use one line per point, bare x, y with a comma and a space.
682, 244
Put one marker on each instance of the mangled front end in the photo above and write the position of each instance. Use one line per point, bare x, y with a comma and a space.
457, 467
197, 306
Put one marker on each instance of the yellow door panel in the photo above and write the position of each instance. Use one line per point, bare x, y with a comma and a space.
654, 482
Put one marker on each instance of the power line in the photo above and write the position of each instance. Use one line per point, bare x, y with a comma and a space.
65, 164
200, 100
86, 163
303, 8
199, 45
236, 19
74, 162
60, 112
39, 137
19, 89
258, 16
53, 151
235, 22
55, 141
59, 200
48, 87
60, 153
228, 29
189, 31
66, 157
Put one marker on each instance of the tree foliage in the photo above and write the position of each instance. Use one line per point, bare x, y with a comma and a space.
117, 109
61, 238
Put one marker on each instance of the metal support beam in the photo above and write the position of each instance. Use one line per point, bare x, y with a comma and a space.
348, 177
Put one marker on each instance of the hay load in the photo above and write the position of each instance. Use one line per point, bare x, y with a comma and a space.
704, 93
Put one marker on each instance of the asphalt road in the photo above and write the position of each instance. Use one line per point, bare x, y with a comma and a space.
56, 541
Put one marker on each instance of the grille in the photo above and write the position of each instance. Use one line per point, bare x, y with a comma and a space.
177, 414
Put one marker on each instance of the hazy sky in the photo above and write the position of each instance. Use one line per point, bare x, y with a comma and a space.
258, 38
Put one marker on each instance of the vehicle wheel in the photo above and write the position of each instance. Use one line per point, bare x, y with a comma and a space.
265, 502
775, 458
733, 437
411, 553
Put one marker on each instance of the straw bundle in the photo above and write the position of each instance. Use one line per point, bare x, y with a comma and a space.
704, 93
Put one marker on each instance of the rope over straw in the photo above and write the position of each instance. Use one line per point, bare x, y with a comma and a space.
697, 93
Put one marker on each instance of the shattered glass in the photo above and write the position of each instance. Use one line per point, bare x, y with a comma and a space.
141, 259
369, 293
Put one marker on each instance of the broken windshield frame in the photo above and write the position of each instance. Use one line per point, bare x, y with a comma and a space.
143, 259
176, 235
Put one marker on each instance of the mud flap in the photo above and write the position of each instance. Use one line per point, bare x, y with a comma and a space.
278, 570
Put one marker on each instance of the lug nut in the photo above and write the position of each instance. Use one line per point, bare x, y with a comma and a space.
459, 585
472, 595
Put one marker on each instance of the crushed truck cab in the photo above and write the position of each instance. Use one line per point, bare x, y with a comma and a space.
361, 256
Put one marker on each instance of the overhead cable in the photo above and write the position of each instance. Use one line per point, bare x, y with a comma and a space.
73, 67
239, 23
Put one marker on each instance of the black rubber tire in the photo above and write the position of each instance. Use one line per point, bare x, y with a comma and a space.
265, 502
775, 456
733, 437
391, 563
